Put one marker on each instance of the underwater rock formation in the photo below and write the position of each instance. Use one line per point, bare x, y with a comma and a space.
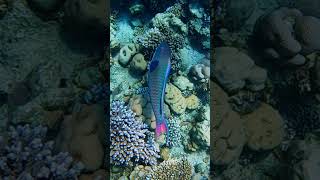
228, 137
200, 134
131, 142
4, 7
86, 15
235, 70
83, 135
172, 169
303, 157
264, 128
25, 154
201, 72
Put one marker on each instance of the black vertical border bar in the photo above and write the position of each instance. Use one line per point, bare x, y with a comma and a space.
107, 105
213, 9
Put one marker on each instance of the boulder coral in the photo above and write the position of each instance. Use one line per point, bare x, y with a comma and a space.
264, 128
192, 102
227, 132
83, 135
138, 64
174, 98
126, 53
235, 70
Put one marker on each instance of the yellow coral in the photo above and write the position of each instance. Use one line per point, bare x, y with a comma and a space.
172, 169
174, 99
192, 102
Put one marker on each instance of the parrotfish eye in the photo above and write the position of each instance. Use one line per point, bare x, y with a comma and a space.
153, 65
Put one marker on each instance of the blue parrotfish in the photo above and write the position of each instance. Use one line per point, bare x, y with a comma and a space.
158, 73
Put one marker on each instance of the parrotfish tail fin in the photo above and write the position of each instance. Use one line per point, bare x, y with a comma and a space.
162, 128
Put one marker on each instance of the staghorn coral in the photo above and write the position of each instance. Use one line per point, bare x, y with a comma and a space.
131, 142
172, 169
25, 154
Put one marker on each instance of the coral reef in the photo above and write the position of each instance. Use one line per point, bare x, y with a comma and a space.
25, 154
4, 6
172, 169
131, 142
140, 172
201, 72
138, 64
126, 53
235, 70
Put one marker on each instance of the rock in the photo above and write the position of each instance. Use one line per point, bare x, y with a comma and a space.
136, 9
126, 53
307, 32
56, 98
88, 77
99, 174
235, 70
237, 12
19, 94
264, 128
228, 138
136, 103
174, 99
200, 72
140, 172
4, 6
304, 158
83, 134
86, 14
200, 134
183, 83
138, 65
46, 5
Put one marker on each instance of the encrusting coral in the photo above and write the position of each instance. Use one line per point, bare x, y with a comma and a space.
175, 99
131, 141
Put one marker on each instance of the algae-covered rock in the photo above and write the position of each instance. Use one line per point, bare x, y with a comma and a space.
264, 128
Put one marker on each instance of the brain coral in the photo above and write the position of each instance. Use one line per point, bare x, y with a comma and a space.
174, 99
235, 70
264, 128
131, 142
227, 133
172, 169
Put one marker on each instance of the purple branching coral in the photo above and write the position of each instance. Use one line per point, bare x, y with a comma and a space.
131, 141
25, 155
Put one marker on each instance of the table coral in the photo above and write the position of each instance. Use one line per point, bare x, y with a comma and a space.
131, 142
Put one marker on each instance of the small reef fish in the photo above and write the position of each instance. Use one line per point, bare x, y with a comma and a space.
158, 73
